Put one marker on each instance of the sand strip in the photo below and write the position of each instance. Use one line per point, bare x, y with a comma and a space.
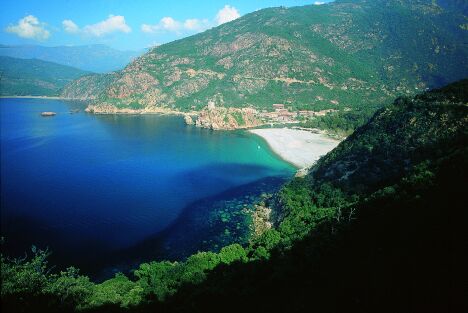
298, 147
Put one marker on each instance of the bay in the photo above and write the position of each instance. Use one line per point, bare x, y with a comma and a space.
105, 192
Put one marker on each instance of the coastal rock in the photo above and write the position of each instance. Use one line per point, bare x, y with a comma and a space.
188, 119
105, 108
261, 219
302, 172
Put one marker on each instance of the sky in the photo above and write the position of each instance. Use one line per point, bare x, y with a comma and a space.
121, 24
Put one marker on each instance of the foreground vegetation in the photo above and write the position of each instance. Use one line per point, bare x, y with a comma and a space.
378, 225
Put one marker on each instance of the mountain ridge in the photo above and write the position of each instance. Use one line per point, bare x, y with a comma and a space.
307, 58
96, 58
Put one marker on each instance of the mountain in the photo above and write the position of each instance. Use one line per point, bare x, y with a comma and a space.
346, 55
32, 77
378, 225
92, 58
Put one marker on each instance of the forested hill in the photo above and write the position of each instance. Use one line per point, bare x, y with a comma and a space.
378, 225
399, 136
32, 77
348, 54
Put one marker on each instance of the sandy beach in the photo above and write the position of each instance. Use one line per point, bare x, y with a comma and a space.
298, 147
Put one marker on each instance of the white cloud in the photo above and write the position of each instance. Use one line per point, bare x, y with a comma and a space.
319, 2
114, 23
70, 27
169, 24
29, 27
196, 24
227, 14
165, 24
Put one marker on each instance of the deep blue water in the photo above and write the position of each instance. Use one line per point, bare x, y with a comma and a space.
111, 191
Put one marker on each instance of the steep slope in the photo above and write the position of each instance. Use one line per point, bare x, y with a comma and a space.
32, 77
93, 58
313, 57
88, 86
397, 138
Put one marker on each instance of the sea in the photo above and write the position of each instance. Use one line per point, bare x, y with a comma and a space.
104, 193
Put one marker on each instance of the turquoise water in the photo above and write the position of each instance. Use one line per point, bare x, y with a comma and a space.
111, 191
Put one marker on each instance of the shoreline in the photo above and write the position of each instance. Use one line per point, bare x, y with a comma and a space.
301, 148
295, 145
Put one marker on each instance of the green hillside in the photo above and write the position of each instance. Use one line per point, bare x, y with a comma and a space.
346, 55
32, 77
378, 225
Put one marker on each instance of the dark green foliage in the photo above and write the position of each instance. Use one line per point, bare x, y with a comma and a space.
379, 225
118, 291
398, 137
29, 286
68, 288
32, 77
341, 123
398, 250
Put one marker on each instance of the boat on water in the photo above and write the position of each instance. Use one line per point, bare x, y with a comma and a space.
48, 113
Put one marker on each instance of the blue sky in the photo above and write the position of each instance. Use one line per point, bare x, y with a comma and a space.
122, 24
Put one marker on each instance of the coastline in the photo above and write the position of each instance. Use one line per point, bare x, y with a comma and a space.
38, 97
298, 147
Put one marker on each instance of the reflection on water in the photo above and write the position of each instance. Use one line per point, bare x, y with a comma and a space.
90, 186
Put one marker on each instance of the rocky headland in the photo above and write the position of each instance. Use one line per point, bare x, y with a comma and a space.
227, 118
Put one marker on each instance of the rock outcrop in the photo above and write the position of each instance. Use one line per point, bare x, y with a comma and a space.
227, 118
188, 119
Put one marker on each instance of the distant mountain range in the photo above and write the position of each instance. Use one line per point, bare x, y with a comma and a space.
93, 58
347, 55
32, 77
